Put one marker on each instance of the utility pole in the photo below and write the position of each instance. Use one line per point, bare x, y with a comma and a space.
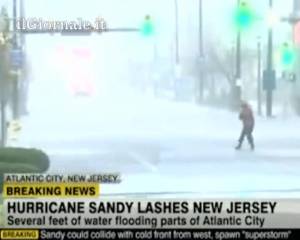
270, 74
259, 110
24, 83
16, 77
201, 52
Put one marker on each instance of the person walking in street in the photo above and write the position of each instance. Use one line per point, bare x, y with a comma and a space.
247, 118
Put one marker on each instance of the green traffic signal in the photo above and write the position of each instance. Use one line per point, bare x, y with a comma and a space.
244, 16
288, 55
147, 28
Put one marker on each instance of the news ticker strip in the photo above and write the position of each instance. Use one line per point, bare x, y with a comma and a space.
153, 214
220, 234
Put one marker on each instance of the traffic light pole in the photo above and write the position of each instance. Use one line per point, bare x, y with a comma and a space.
269, 91
238, 57
237, 87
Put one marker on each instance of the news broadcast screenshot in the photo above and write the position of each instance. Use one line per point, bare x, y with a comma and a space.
149, 119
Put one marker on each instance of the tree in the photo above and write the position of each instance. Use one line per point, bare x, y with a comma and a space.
221, 61
5, 76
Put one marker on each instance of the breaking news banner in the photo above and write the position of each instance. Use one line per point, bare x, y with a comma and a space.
55, 186
71, 207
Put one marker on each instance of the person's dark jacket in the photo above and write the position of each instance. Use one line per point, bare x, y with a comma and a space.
246, 116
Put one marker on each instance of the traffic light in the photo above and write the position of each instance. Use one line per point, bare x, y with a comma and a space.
244, 16
147, 28
287, 55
